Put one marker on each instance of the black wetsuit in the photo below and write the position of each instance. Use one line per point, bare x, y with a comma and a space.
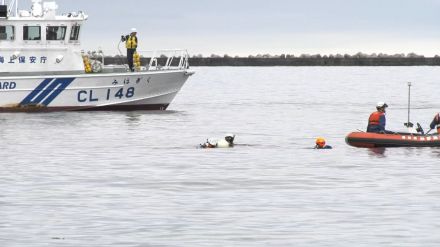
325, 147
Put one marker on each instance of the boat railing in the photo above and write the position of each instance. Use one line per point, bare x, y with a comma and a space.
164, 59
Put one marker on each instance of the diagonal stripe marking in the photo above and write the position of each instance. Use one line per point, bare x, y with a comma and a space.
62, 84
37, 90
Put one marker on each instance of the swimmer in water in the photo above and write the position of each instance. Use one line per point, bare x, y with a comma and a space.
226, 142
320, 144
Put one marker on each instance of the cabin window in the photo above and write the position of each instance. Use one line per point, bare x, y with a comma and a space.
7, 32
56, 33
74, 34
31, 33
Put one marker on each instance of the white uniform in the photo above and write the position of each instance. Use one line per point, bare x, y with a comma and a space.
220, 143
223, 144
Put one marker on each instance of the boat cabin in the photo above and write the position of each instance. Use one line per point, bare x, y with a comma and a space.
38, 41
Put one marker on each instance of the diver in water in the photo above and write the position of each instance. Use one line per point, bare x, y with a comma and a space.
320, 144
226, 142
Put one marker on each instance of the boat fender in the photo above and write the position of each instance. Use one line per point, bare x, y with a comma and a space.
137, 61
87, 65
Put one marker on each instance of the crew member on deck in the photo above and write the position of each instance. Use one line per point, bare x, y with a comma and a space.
377, 120
131, 43
435, 124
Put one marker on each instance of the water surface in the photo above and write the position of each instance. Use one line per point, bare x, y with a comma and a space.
137, 178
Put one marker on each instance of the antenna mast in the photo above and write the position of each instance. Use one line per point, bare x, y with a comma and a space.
11, 6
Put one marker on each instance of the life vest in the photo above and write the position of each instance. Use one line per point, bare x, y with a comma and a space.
375, 118
131, 42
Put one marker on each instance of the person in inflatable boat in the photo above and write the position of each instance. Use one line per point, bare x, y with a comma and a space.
377, 120
320, 144
226, 142
435, 124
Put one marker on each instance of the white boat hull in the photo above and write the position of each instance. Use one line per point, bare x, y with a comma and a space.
149, 90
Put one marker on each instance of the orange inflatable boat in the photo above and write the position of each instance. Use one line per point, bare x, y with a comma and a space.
375, 140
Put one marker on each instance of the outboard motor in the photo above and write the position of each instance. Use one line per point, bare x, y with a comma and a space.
420, 129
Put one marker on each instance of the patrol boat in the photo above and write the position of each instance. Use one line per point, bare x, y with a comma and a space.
42, 67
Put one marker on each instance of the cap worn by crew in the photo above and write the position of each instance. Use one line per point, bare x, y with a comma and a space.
381, 105
134, 30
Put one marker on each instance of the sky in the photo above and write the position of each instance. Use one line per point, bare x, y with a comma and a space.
251, 27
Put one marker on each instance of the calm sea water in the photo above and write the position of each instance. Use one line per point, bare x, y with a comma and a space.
137, 178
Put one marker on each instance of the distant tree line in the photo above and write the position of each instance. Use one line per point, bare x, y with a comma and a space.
358, 59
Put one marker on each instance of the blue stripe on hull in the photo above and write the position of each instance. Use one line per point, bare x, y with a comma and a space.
60, 87
36, 91
47, 91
